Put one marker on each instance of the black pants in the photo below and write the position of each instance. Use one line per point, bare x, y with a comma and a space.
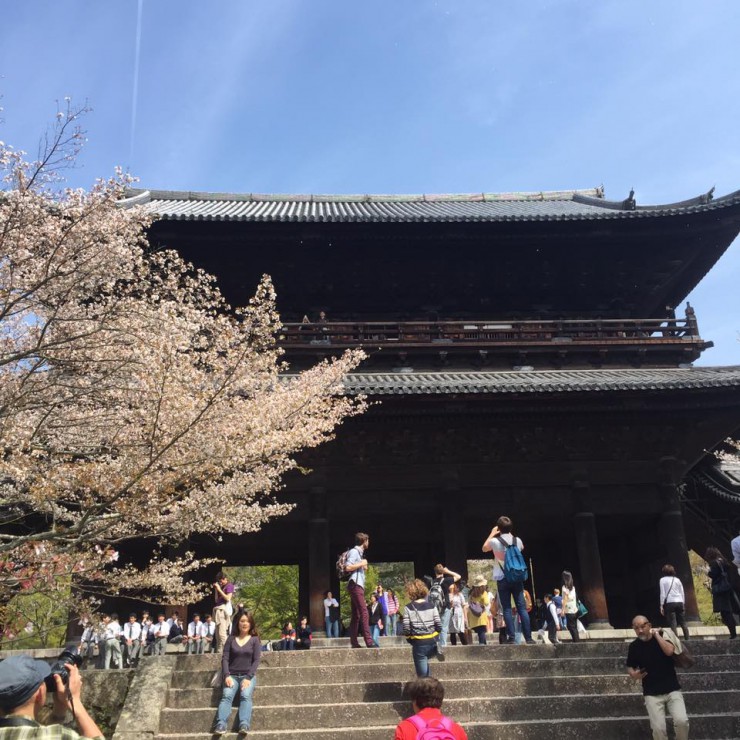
572, 622
463, 639
729, 619
675, 616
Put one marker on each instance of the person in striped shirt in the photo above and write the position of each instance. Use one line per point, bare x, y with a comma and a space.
421, 626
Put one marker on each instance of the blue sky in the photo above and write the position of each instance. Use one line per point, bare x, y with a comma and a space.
396, 96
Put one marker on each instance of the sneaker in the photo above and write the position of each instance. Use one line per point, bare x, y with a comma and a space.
220, 728
441, 657
243, 730
530, 641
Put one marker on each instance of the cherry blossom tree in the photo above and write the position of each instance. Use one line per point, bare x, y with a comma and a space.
130, 392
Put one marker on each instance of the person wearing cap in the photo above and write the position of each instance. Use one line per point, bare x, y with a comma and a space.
478, 602
23, 696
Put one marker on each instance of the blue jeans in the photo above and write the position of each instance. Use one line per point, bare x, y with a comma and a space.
332, 627
421, 654
445, 627
245, 701
375, 632
505, 592
390, 624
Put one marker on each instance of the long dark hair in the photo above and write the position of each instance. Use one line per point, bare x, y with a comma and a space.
712, 555
252, 624
567, 578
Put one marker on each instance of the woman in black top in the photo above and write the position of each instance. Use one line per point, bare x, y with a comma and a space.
241, 658
723, 596
303, 635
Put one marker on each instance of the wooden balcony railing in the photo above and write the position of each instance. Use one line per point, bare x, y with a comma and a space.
483, 333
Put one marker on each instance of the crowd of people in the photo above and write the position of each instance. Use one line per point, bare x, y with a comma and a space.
439, 607
443, 606
116, 645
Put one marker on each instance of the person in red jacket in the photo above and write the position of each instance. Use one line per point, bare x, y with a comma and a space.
426, 696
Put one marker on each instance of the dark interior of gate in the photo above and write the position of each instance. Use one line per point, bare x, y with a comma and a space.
527, 361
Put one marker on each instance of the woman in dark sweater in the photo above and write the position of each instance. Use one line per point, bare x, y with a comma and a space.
723, 596
241, 658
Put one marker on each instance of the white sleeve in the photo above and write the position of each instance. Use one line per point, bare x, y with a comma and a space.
735, 544
663, 589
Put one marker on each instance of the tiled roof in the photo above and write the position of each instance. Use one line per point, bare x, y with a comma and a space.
481, 207
542, 381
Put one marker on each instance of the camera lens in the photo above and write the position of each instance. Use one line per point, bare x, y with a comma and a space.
59, 668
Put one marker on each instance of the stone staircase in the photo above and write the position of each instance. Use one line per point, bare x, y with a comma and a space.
518, 691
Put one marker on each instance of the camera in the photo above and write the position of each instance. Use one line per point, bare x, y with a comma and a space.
59, 667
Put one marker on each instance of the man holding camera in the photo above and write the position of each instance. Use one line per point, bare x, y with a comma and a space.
223, 592
650, 660
23, 687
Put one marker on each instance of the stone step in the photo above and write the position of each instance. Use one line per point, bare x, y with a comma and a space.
557, 708
636, 727
400, 653
390, 691
601, 635
402, 671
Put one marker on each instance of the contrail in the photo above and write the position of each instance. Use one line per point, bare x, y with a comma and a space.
137, 55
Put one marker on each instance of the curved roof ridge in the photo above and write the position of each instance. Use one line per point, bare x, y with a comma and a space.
554, 205
193, 195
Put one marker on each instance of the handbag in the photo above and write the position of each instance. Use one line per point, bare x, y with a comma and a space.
217, 679
476, 607
682, 658
582, 610
722, 584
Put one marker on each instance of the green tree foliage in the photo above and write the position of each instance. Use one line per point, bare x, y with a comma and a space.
390, 575
703, 590
270, 592
45, 619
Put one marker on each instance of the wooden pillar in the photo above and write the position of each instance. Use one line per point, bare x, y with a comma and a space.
673, 538
453, 523
318, 579
589, 559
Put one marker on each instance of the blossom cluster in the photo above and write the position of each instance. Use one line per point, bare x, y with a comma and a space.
130, 392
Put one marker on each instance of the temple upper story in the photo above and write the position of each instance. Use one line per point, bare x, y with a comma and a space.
507, 279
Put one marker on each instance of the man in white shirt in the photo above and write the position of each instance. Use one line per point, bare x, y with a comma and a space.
332, 626
195, 636
112, 641
735, 544
161, 630
209, 632
88, 641
500, 539
146, 625
132, 641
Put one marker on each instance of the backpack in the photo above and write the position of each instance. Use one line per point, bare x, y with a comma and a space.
436, 729
437, 597
515, 569
342, 573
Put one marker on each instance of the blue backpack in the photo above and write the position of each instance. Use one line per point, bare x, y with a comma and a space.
515, 569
